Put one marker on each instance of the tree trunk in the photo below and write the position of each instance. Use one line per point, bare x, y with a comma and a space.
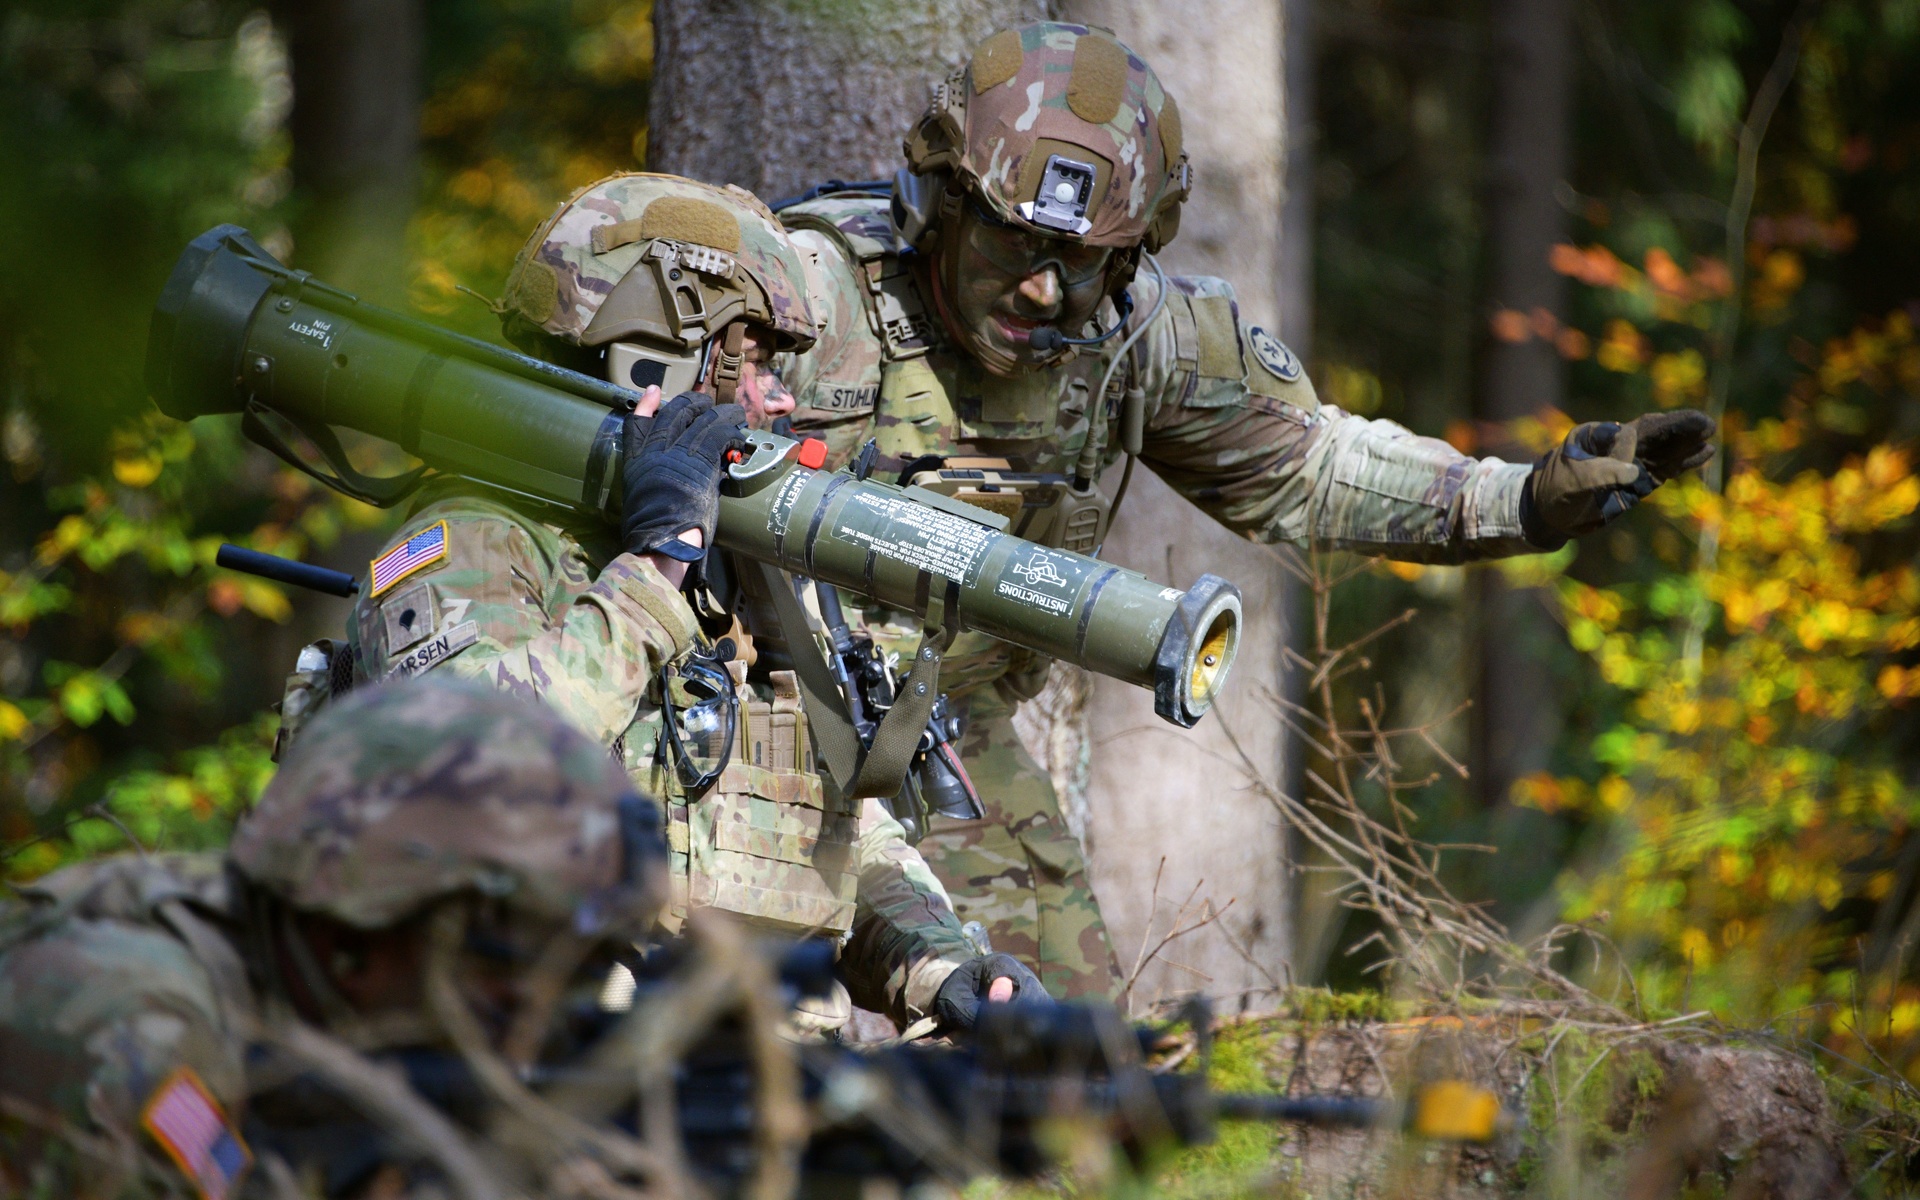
1318, 916
357, 84
1222, 62
1516, 714
777, 96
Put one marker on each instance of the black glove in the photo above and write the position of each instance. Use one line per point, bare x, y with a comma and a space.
1668, 443
958, 1001
671, 476
1604, 468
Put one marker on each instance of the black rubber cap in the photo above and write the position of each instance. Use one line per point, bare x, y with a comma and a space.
200, 324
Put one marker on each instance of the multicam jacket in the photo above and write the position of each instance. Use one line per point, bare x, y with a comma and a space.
119, 989
560, 614
1232, 422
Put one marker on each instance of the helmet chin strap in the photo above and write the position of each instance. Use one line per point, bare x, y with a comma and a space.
726, 367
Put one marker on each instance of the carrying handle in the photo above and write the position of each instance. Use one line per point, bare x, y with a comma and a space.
381, 492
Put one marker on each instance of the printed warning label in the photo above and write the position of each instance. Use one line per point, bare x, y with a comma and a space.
784, 500
936, 542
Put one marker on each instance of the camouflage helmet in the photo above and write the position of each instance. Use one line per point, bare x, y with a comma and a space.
401, 794
1062, 129
641, 257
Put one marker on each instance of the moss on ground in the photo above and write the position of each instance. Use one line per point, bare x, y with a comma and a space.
1244, 1156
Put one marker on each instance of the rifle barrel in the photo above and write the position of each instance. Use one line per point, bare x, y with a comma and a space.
1331, 1111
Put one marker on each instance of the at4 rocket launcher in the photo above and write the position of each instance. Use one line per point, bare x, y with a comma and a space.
236, 331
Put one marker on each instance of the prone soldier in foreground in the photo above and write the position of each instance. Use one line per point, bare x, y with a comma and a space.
983, 321
395, 983
435, 867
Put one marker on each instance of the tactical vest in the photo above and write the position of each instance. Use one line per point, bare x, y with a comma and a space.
767, 840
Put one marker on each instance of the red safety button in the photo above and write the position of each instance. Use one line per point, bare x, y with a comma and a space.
813, 454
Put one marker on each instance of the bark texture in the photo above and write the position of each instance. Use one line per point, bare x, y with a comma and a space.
1223, 63
1516, 715
778, 95
357, 86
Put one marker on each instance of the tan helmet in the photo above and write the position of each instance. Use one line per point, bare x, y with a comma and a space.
1061, 129
660, 266
403, 794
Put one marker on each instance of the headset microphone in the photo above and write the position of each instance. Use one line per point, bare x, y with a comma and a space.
1047, 340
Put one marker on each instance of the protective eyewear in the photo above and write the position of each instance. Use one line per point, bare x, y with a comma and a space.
701, 712
1022, 252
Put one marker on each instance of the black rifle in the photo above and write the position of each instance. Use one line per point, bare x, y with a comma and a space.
936, 780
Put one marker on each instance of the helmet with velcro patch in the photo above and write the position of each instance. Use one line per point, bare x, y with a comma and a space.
1060, 129
658, 259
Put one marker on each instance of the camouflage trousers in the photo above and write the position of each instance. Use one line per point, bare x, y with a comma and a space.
1020, 872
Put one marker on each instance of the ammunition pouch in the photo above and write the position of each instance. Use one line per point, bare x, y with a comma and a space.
323, 670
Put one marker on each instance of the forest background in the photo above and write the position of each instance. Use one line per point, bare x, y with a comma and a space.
1693, 734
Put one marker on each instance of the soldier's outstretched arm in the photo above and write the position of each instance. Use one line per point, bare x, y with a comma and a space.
1234, 425
515, 604
906, 939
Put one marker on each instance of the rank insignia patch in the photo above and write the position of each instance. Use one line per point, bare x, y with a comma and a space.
421, 550
191, 1127
1274, 355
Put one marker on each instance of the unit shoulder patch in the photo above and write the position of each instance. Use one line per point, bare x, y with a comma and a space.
1274, 355
193, 1129
416, 554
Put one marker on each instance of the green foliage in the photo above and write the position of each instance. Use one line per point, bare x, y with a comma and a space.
131, 126
530, 102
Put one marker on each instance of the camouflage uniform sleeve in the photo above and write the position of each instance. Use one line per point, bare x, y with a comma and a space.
906, 939
836, 384
96, 1017
533, 619
1233, 424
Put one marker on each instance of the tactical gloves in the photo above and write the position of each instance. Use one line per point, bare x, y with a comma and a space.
1605, 468
958, 1001
675, 460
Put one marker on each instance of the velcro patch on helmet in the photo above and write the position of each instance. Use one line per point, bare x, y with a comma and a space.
534, 291
1033, 170
1170, 131
612, 237
1099, 79
689, 219
998, 59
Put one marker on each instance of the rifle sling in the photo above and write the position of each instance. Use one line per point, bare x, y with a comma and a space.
855, 771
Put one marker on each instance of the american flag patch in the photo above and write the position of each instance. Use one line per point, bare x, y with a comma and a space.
188, 1123
423, 549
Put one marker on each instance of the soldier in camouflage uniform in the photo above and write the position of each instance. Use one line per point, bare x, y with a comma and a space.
148, 1003
1047, 170
653, 281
